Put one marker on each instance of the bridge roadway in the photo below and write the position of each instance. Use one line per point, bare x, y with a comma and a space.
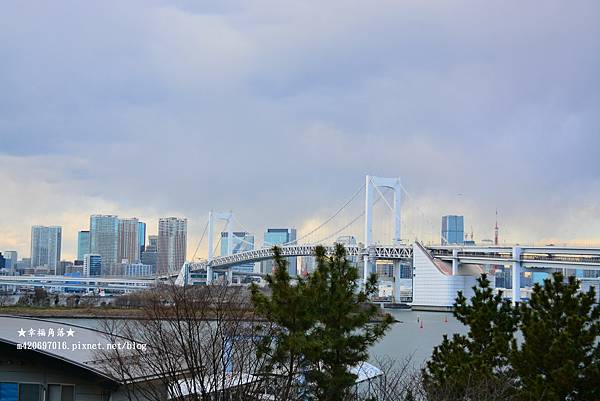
388, 252
525, 257
530, 258
257, 255
117, 283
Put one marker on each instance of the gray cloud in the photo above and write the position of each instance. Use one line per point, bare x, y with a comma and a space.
277, 112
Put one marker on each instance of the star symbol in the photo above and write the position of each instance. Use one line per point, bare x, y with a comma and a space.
70, 332
21, 332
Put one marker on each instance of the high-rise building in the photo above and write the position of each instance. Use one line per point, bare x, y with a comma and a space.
92, 265
11, 260
2, 261
172, 244
83, 244
279, 236
150, 258
46, 247
242, 241
150, 254
152, 243
129, 241
137, 270
64, 266
104, 240
453, 230
23, 265
142, 236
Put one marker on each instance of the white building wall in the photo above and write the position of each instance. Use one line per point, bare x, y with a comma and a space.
470, 282
431, 287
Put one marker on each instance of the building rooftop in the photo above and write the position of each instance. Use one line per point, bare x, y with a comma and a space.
71, 343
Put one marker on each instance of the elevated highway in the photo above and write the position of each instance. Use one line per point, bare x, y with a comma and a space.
439, 264
106, 283
530, 258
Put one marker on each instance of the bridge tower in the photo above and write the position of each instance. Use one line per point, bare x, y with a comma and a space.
373, 183
228, 217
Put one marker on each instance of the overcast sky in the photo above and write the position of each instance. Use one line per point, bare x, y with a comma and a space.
277, 109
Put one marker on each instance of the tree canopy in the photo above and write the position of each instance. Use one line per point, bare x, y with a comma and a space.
325, 324
558, 357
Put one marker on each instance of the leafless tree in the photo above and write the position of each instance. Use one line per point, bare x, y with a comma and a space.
5, 298
499, 388
399, 381
200, 344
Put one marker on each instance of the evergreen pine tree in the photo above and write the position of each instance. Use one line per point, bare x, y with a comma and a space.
345, 329
559, 358
323, 325
477, 362
290, 310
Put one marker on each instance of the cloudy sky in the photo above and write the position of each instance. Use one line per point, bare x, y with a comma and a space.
276, 110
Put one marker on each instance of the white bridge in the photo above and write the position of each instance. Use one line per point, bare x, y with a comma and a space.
439, 272
389, 252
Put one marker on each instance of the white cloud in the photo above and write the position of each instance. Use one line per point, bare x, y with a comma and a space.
277, 111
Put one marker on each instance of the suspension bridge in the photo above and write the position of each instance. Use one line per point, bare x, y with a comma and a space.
438, 272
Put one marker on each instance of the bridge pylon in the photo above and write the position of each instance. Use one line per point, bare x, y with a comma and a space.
374, 183
228, 217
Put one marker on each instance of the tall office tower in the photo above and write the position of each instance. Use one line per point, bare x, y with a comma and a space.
279, 236
129, 241
11, 260
453, 230
172, 244
92, 265
2, 261
83, 244
242, 241
150, 254
152, 243
142, 236
104, 240
45, 247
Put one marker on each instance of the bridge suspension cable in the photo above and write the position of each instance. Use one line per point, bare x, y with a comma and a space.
382, 196
241, 239
346, 226
220, 237
330, 218
421, 212
341, 229
200, 242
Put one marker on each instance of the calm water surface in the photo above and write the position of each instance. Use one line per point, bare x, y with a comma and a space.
406, 339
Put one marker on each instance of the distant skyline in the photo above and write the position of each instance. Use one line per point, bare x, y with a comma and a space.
277, 110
